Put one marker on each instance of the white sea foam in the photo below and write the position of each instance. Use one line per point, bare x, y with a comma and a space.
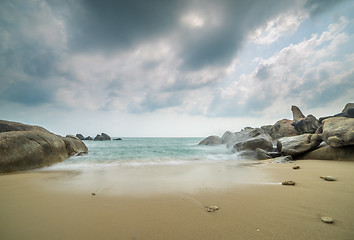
139, 152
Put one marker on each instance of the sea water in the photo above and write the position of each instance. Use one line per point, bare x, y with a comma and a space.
136, 152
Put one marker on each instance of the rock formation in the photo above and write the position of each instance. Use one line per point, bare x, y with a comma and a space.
297, 145
297, 114
102, 137
24, 147
308, 124
211, 140
338, 131
283, 128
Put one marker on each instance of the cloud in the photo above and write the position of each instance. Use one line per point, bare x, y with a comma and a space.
137, 56
310, 73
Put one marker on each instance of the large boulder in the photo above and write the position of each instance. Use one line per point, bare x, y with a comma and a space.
8, 126
283, 128
23, 150
348, 111
211, 140
338, 131
102, 137
327, 152
297, 145
244, 135
24, 147
297, 114
74, 145
227, 136
263, 142
308, 124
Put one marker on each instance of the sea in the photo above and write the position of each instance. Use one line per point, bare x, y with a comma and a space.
140, 152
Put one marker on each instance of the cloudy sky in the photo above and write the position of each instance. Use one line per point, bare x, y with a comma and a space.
173, 68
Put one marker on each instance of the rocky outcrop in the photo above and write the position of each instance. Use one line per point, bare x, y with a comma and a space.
297, 145
24, 147
263, 142
348, 111
102, 137
327, 152
338, 131
227, 136
74, 145
80, 136
211, 140
283, 128
308, 124
297, 114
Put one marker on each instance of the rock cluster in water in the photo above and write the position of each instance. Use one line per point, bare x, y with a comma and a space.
99, 137
328, 138
24, 147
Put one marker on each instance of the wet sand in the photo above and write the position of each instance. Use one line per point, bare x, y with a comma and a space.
168, 202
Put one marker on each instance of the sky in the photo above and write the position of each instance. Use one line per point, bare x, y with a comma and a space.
177, 68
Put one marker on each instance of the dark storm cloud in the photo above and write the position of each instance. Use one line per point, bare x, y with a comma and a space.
107, 25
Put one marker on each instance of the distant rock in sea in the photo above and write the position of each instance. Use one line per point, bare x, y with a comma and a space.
102, 137
24, 147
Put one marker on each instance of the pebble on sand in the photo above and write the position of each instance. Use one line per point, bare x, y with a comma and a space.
212, 208
290, 182
328, 178
327, 219
296, 167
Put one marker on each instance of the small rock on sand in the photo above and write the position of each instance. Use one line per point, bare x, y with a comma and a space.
291, 183
212, 208
296, 167
328, 178
327, 219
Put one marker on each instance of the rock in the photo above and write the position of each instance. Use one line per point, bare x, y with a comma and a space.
212, 208
347, 107
262, 154
227, 136
88, 138
80, 136
243, 135
326, 152
348, 111
263, 142
283, 128
328, 178
7, 126
306, 125
327, 219
283, 159
24, 147
296, 167
338, 131
118, 139
297, 145
267, 128
211, 140
297, 114
290, 183
102, 137
74, 146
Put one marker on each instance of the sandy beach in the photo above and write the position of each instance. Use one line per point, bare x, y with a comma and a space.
168, 202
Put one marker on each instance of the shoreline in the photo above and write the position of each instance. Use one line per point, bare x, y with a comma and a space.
58, 205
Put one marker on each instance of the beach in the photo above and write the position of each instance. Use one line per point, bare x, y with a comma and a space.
169, 202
